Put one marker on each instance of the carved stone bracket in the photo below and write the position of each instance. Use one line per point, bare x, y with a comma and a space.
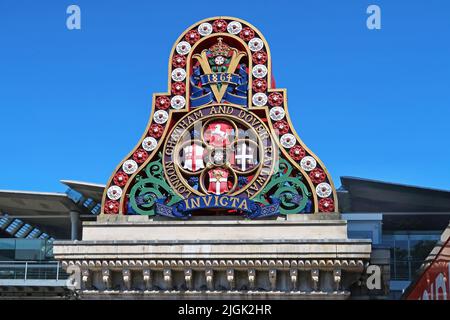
147, 277
273, 279
168, 278
251, 278
85, 278
315, 279
126, 274
230, 279
188, 278
293, 274
337, 278
209, 279
106, 279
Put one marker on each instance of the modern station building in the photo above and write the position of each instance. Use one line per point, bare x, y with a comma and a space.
406, 221
29, 223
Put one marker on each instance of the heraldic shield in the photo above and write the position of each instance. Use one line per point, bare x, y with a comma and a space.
220, 141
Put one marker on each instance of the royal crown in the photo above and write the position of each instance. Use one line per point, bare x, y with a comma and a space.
220, 49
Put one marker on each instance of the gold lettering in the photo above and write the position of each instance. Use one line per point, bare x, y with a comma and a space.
195, 203
234, 200
243, 205
207, 200
223, 201
261, 180
198, 114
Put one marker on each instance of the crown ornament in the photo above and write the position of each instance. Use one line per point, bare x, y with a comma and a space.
219, 49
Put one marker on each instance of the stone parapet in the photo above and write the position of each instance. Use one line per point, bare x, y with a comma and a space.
292, 258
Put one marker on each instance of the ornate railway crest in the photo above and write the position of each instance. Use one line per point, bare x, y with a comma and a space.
221, 138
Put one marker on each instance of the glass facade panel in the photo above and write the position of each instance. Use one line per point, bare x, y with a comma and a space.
7, 249
402, 270
30, 250
25, 250
408, 251
360, 234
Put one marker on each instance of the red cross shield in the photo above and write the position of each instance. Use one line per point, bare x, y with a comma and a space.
218, 181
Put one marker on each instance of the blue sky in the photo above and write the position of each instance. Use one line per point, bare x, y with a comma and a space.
372, 104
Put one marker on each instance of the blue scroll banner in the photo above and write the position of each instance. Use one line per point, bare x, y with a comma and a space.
183, 208
203, 95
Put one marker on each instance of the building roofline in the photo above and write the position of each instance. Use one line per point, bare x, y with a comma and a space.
75, 182
393, 184
34, 193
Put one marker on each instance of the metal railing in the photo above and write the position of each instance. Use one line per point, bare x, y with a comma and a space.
28, 272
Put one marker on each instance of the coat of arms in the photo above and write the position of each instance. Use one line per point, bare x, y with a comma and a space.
222, 131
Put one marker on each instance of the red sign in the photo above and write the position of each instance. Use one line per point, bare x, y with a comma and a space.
434, 283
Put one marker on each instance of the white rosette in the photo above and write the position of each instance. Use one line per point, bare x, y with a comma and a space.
114, 192
149, 144
183, 48
259, 99
129, 166
218, 156
178, 102
288, 140
277, 113
219, 60
160, 116
178, 74
255, 44
205, 29
259, 71
308, 163
234, 27
323, 190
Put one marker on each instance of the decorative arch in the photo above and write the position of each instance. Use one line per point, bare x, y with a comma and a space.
228, 59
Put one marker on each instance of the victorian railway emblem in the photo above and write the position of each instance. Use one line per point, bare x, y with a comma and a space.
220, 141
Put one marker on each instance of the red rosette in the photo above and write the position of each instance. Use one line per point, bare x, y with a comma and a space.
275, 99
326, 205
162, 103
120, 179
259, 57
220, 25
140, 156
192, 36
178, 88
281, 127
112, 207
179, 61
317, 176
259, 85
247, 34
156, 130
297, 152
